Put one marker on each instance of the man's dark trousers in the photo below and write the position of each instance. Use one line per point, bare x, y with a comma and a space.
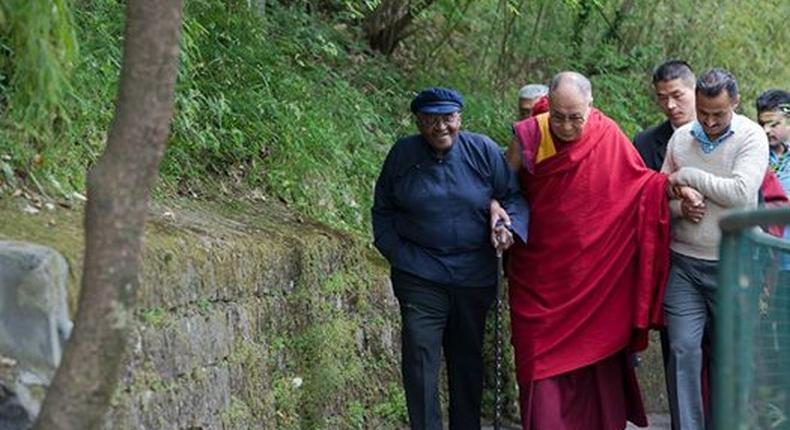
435, 317
689, 308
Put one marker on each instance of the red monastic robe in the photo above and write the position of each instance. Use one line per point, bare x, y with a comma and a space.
773, 197
590, 281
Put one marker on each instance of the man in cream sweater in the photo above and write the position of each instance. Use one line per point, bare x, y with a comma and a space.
724, 156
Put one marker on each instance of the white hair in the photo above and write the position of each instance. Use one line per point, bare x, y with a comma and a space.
533, 91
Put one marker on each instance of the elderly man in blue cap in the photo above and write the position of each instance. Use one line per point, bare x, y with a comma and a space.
431, 222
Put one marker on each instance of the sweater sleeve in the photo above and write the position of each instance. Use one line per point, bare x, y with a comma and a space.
737, 189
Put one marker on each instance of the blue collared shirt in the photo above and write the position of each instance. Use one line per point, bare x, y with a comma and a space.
431, 215
780, 164
706, 143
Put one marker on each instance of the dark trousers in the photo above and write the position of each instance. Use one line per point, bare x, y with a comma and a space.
436, 317
689, 308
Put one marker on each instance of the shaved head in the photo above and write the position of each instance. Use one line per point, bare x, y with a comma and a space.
571, 82
570, 100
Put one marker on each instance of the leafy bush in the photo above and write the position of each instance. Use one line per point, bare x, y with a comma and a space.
292, 102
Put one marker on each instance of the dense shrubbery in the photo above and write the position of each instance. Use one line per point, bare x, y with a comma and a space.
286, 102
293, 102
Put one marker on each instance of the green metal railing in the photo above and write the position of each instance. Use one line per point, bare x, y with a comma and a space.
751, 359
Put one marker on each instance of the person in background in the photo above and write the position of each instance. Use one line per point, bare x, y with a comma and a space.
431, 222
773, 114
673, 82
527, 96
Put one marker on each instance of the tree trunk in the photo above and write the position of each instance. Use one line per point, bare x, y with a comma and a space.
529, 57
386, 25
504, 61
119, 187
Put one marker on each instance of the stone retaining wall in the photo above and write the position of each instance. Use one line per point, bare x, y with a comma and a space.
247, 321
251, 319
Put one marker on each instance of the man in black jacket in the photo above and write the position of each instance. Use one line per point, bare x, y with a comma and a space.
674, 83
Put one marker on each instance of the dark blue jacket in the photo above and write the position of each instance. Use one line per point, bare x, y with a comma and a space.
431, 215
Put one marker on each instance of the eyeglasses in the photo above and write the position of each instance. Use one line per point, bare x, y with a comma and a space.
574, 119
430, 121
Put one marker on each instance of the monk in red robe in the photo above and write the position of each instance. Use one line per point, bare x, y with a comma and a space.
589, 282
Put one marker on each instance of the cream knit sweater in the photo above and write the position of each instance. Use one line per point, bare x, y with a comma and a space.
729, 178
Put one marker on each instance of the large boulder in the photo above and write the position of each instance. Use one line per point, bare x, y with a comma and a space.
34, 325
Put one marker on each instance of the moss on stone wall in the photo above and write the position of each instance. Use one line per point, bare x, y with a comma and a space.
248, 318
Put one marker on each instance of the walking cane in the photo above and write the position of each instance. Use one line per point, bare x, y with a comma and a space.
498, 343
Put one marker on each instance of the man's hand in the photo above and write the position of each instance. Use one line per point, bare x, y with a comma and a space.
501, 237
692, 204
674, 178
687, 193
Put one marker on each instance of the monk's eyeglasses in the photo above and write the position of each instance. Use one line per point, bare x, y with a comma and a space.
574, 119
431, 121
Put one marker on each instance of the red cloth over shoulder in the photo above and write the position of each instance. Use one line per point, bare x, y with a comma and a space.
590, 282
773, 197
540, 106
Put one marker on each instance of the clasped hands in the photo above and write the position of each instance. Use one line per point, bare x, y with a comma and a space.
692, 202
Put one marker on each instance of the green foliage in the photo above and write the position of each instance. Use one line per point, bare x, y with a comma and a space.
57, 157
292, 102
331, 363
288, 113
329, 354
237, 414
355, 411
155, 317
393, 409
204, 304
500, 45
286, 103
286, 402
613, 89
38, 49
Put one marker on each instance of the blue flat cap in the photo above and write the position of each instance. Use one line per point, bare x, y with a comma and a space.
437, 101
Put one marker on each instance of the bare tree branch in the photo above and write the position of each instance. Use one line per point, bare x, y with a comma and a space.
431, 53
386, 26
